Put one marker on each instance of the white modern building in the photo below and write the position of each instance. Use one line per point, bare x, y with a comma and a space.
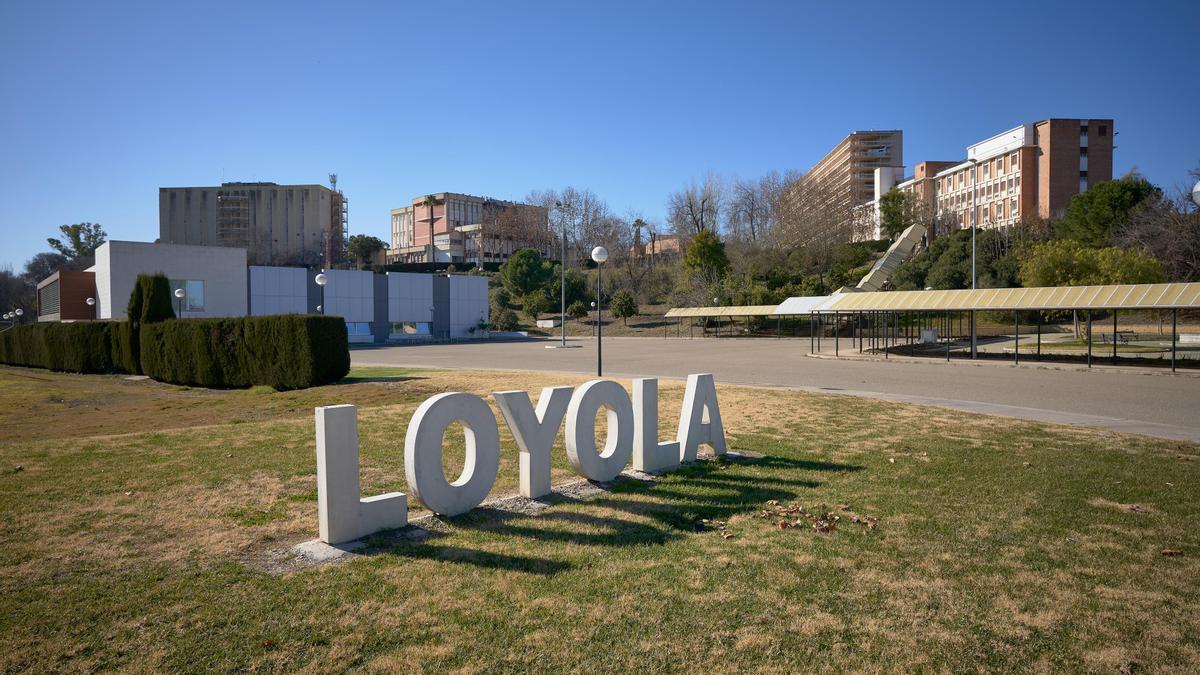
213, 278
216, 282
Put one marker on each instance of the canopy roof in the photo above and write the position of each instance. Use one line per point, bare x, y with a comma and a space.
1117, 296
743, 310
1123, 296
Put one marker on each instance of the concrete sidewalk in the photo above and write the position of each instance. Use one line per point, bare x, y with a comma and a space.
1154, 403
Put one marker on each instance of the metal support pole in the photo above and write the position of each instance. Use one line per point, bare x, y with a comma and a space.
837, 339
1016, 338
812, 334
1114, 335
974, 338
1039, 338
820, 331
778, 327
1174, 312
599, 321
886, 346
859, 330
1089, 338
947, 339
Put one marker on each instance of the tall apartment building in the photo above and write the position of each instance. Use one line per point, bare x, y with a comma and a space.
276, 224
1030, 170
452, 227
850, 166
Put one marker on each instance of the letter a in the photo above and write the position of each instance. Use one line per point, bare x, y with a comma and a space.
699, 398
343, 516
534, 432
648, 454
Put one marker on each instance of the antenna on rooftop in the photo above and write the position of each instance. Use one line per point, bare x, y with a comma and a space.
333, 182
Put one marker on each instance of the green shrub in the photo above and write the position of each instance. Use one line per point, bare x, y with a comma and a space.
577, 310
284, 352
82, 347
505, 321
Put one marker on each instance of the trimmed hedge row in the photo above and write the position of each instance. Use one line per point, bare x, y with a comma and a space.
284, 352
85, 347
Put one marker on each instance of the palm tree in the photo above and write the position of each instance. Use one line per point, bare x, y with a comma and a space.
430, 202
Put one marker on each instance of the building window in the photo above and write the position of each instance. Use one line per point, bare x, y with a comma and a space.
1083, 130
1012, 207
193, 295
1103, 129
413, 328
358, 328
1083, 151
1083, 174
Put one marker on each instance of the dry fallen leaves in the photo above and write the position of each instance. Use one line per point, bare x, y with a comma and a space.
720, 525
821, 520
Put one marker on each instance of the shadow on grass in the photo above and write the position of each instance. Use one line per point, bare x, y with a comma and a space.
485, 559
675, 507
359, 379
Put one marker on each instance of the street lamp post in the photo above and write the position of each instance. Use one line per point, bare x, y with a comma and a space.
321, 280
974, 217
593, 323
562, 267
600, 255
179, 296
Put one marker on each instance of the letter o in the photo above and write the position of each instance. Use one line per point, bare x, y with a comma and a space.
581, 430
423, 453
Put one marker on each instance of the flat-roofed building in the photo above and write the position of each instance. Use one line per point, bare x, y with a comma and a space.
466, 228
849, 168
276, 224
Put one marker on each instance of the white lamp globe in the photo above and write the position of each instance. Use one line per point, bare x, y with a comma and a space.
179, 293
600, 255
1196, 193
321, 280
20, 312
91, 302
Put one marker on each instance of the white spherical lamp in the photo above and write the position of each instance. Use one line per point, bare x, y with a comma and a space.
1196, 193
179, 293
600, 255
321, 280
91, 302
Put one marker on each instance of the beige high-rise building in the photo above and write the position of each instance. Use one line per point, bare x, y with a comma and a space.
850, 166
276, 224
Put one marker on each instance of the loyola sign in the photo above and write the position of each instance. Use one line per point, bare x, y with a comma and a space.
632, 433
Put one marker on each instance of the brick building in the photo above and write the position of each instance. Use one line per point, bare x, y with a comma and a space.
466, 228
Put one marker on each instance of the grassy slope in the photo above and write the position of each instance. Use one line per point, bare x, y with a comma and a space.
1001, 544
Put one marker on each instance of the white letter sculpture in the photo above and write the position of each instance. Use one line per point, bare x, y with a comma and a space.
648, 454
423, 453
343, 516
581, 430
534, 432
700, 397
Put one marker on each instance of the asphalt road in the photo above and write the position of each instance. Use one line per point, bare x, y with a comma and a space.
1152, 402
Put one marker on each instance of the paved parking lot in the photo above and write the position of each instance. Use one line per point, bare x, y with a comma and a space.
1151, 402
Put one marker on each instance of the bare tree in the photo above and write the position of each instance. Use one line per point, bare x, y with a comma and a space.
814, 215
697, 208
1169, 228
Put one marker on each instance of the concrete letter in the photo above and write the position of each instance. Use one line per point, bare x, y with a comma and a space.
648, 454
581, 430
423, 453
534, 432
343, 516
700, 397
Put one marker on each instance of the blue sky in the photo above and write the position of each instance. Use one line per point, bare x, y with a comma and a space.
103, 103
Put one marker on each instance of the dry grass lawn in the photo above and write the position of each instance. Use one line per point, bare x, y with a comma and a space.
137, 516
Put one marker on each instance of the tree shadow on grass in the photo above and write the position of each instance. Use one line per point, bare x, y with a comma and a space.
359, 379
